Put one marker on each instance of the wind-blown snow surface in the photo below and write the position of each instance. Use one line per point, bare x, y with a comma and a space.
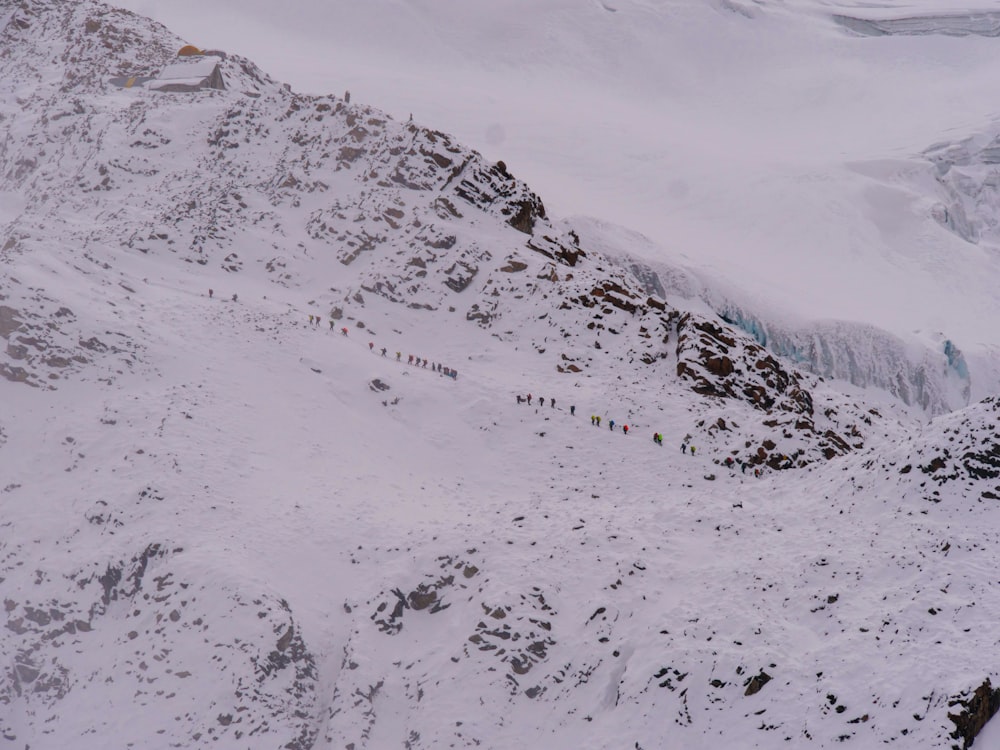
786, 152
223, 524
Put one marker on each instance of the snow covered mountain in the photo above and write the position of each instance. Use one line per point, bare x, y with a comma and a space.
226, 521
787, 154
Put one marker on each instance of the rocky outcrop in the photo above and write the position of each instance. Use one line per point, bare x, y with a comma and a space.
961, 449
155, 619
977, 708
46, 343
709, 357
491, 188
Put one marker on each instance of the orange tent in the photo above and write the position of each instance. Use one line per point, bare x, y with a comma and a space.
188, 49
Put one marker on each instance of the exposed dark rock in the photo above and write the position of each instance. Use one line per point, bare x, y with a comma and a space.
94, 344
523, 219
460, 275
721, 366
477, 315
936, 464
422, 599
9, 321
983, 464
977, 709
755, 683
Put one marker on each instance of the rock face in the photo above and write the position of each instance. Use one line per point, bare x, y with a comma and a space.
704, 351
977, 709
970, 455
45, 344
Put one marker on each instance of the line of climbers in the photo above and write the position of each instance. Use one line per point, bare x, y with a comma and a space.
541, 402
211, 295
730, 464
596, 421
686, 446
449, 372
418, 362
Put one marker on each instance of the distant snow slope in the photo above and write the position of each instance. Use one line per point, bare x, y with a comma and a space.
763, 144
224, 522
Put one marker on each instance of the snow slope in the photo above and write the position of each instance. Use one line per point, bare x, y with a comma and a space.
784, 155
226, 524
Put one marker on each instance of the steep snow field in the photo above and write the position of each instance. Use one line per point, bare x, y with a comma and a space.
764, 145
595, 590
